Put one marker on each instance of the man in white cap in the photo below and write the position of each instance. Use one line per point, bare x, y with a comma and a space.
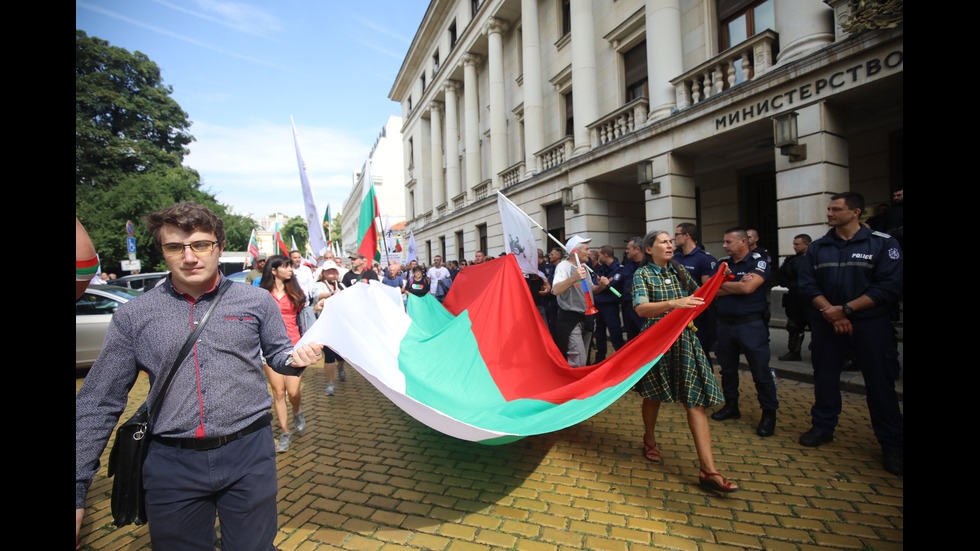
574, 331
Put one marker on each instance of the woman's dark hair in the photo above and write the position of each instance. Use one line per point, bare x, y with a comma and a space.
682, 274
293, 290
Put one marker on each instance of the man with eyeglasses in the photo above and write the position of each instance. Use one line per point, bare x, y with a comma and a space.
212, 450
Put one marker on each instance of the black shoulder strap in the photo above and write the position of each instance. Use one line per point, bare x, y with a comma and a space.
187, 347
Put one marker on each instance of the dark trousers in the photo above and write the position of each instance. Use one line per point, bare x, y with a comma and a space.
185, 489
608, 318
631, 320
876, 347
749, 339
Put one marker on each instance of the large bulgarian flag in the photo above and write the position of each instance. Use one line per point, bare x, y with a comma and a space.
367, 230
499, 376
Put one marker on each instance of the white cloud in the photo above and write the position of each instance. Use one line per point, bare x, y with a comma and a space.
253, 168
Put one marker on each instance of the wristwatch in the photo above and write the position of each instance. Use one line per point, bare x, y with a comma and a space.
847, 310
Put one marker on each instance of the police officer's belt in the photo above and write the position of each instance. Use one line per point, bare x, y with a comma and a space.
739, 320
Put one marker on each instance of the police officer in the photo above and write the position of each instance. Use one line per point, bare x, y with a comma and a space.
631, 261
701, 266
610, 273
793, 303
854, 279
741, 304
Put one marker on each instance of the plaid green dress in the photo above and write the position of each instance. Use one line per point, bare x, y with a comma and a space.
683, 374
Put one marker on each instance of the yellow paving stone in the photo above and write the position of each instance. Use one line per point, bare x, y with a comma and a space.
496, 539
743, 541
688, 531
330, 535
480, 520
565, 511
837, 540
746, 528
779, 545
544, 519
562, 537
789, 534
605, 518
661, 541
522, 528
360, 543
529, 545
604, 544
588, 528
392, 534
466, 546
429, 541
713, 523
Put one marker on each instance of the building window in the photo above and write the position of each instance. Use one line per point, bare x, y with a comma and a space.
555, 220
452, 34
474, 7
409, 104
566, 17
481, 232
635, 64
569, 114
411, 205
741, 20
423, 82
411, 153
459, 246
435, 62
442, 248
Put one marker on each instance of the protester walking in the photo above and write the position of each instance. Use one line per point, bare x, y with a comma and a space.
277, 278
683, 374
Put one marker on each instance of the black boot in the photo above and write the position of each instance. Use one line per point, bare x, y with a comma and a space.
767, 425
729, 411
795, 344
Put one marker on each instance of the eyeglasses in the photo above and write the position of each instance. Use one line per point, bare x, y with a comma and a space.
200, 248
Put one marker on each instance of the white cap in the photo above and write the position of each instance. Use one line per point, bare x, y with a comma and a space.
329, 265
574, 242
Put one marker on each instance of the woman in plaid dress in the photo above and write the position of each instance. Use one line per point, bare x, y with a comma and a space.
683, 374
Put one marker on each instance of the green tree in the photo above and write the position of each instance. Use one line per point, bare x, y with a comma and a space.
336, 230
296, 228
125, 120
130, 139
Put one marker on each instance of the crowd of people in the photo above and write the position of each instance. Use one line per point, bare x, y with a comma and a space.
844, 286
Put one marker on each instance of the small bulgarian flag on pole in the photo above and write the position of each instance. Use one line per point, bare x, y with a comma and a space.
367, 229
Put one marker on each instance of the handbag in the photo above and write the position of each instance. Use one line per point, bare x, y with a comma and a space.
128, 502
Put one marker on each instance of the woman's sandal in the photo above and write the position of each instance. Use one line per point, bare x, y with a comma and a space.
708, 484
652, 453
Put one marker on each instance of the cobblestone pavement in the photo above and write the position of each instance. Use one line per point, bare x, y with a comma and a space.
366, 476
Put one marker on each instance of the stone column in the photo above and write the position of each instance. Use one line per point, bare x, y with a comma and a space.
585, 94
533, 88
453, 187
664, 55
803, 26
676, 202
803, 188
498, 114
471, 117
438, 184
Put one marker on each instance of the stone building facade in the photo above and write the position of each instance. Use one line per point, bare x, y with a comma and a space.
615, 117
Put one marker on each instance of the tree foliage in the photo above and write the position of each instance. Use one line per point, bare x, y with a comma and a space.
296, 228
130, 141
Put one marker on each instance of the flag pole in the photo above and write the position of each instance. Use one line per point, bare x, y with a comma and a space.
533, 221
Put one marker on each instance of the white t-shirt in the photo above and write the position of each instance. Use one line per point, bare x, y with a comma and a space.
435, 274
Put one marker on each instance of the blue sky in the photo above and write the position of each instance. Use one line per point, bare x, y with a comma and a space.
241, 68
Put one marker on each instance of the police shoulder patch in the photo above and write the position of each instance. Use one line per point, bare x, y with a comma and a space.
894, 253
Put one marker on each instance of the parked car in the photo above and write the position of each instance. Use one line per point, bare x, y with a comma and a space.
239, 277
140, 282
93, 312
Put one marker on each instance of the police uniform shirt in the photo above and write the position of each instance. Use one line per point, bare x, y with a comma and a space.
744, 305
